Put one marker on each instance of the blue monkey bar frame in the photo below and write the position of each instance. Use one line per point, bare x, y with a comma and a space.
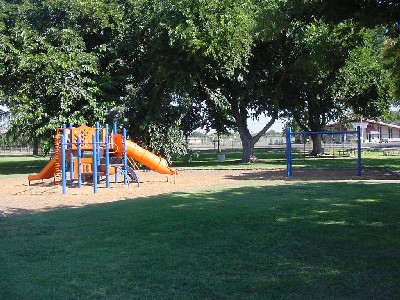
289, 134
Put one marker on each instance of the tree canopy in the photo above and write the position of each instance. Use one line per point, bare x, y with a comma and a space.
164, 67
330, 65
51, 69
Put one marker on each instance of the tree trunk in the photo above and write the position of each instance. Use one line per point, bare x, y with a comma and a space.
248, 141
315, 123
218, 142
240, 115
317, 145
35, 150
248, 148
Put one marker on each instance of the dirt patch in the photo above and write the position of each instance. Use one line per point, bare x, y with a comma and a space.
16, 196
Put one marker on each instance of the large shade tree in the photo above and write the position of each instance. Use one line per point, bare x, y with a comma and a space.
371, 14
54, 65
335, 70
151, 61
204, 49
315, 57
258, 56
154, 106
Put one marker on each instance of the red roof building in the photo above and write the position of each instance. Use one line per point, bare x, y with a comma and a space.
371, 131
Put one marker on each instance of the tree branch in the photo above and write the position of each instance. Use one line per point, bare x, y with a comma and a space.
266, 127
302, 126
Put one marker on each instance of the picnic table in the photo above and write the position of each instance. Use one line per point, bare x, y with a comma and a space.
353, 151
391, 151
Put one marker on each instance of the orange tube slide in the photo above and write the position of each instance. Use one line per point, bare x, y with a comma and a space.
149, 159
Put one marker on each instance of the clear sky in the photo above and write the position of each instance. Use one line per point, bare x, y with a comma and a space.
256, 125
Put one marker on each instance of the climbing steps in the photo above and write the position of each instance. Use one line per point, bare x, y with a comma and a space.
129, 174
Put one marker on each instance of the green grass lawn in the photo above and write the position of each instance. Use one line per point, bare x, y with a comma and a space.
289, 241
270, 159
262, 240
21, 165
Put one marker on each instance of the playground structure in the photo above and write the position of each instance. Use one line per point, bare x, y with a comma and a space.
289, 134
91, 153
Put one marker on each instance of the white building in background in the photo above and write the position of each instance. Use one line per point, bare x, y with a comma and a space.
371, 131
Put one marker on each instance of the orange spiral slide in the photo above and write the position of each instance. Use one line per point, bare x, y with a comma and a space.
143, 156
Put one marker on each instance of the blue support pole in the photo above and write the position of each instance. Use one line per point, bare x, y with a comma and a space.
288, 152
115, 176
359, 166
125, 160
63, 163
98, 139
97, 126
115, 128
79, 161
289, 133
107, 157
94, 163
71, 157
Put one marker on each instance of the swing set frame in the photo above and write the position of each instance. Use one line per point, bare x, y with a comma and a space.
289, 133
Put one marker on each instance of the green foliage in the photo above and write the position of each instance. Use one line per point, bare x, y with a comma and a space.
391, 54
312, 58
8, 140
57, 88
392, 117
183, 64
364, 85
52, 64
155, 117
192, 50
167, 141
194, 117
215, 31
314, 53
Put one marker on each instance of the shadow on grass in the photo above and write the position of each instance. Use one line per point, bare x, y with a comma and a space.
319, 174
306, 241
